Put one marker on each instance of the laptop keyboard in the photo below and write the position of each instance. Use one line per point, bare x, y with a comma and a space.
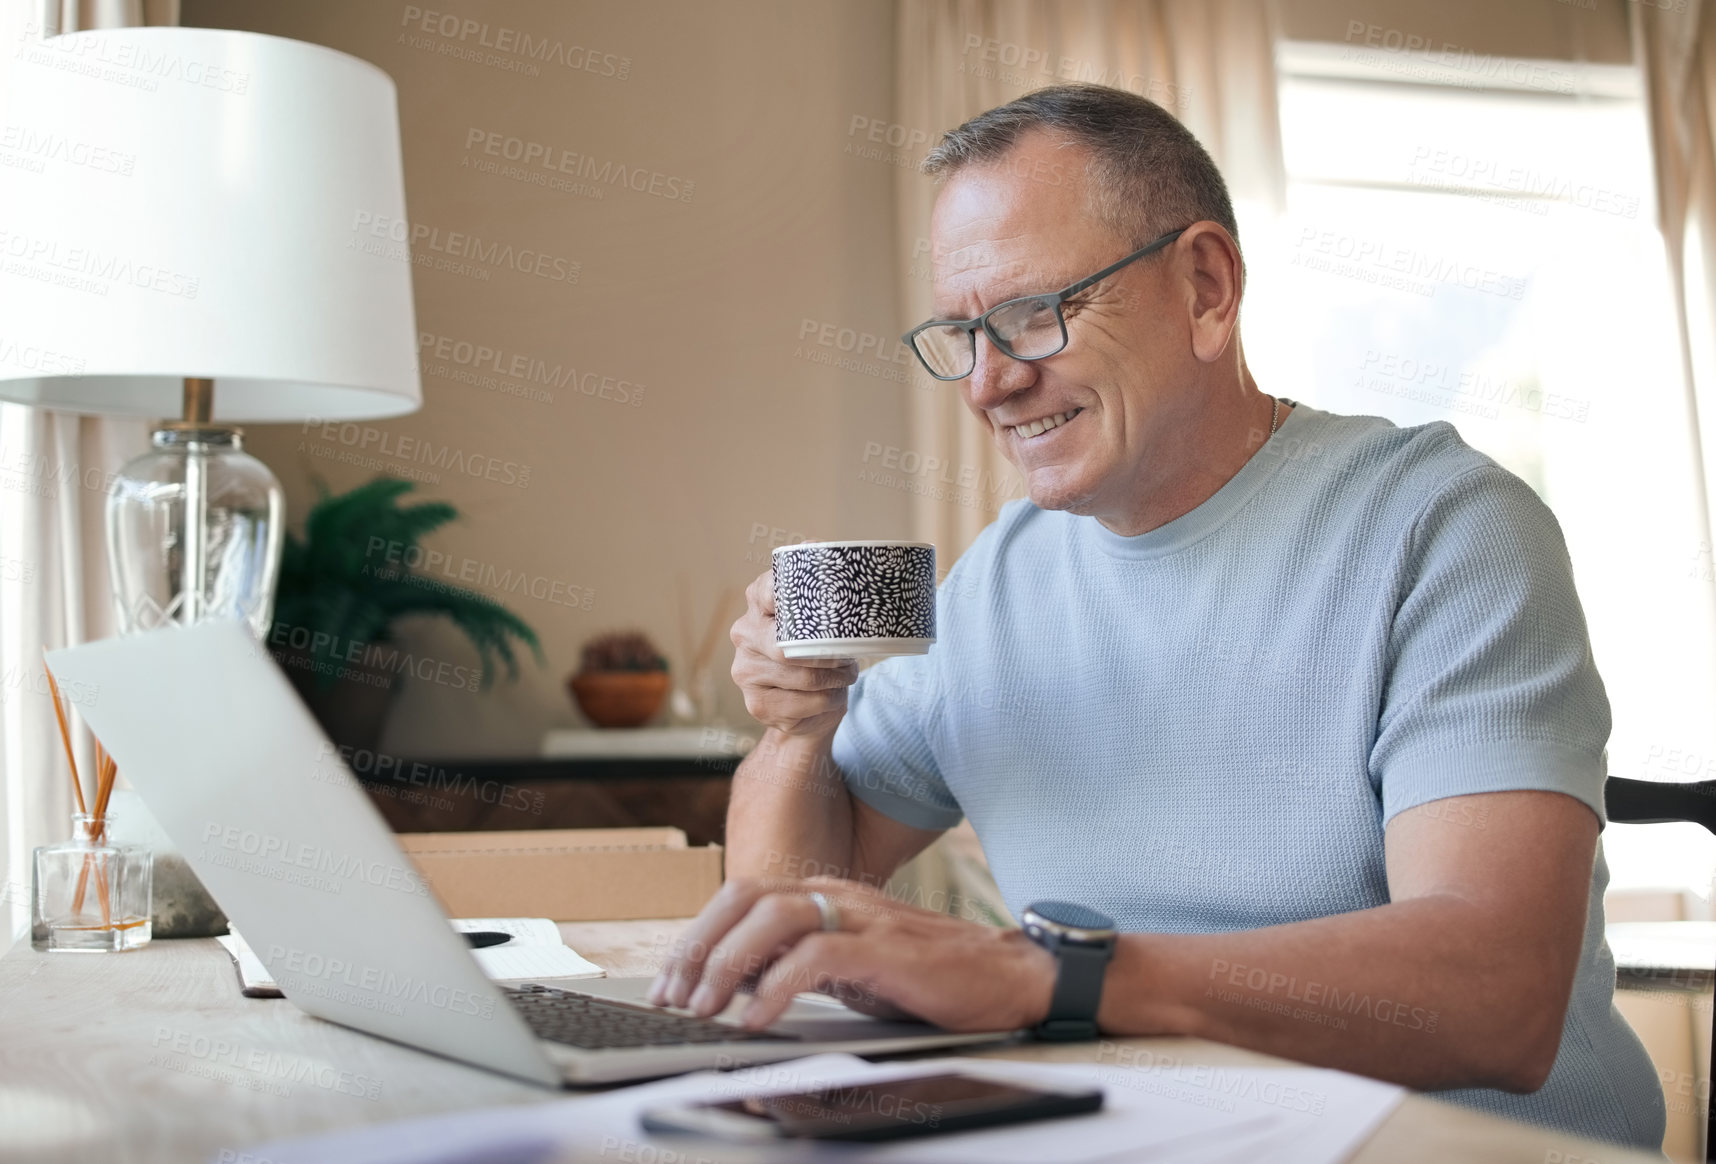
596, 1023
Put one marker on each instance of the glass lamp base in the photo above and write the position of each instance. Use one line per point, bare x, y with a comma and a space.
194, 531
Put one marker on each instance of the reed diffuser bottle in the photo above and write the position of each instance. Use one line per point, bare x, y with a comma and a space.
89, 894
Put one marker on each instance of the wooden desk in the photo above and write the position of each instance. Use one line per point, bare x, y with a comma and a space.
155, 1056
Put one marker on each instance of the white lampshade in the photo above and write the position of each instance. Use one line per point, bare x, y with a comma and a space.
188, 202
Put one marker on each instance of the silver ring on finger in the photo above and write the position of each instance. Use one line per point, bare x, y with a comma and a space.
829, 911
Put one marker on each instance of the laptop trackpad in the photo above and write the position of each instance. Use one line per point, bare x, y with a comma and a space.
815, 1018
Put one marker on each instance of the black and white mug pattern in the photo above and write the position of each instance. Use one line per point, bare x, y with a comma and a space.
876, 591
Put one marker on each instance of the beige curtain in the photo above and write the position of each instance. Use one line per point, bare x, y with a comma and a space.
53, 560
1676, 50
1211, 62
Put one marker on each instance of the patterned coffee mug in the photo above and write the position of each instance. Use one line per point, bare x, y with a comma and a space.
845, 600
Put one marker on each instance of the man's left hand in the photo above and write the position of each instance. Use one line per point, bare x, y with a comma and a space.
886, 959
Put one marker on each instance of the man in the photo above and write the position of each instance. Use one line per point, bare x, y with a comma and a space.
1304, 703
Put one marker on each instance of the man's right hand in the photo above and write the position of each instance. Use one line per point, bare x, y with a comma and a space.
799, 697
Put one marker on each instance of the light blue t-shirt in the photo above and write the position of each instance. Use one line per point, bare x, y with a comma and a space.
1206, 727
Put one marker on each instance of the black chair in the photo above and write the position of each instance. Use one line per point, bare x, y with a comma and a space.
1656, 802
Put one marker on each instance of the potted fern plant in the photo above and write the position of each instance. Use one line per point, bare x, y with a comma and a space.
346, 583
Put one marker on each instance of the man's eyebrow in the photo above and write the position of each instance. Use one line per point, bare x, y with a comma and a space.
1023, 288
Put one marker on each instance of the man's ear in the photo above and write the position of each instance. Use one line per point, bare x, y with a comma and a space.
1215, 282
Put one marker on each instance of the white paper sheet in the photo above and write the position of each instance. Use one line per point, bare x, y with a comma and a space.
509, 963
1168, 1113
532, 931
535, 952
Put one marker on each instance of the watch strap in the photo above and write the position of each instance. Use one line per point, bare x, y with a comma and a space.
1078, 991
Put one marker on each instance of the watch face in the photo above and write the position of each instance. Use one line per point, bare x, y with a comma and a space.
1072, 917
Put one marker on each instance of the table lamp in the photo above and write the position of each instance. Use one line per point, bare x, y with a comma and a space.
195, 242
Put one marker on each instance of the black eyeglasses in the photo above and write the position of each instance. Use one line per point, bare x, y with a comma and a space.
1030, 328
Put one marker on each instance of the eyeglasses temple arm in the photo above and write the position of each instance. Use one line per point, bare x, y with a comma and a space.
1068, 292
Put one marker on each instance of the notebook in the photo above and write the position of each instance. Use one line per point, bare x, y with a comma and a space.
534, 953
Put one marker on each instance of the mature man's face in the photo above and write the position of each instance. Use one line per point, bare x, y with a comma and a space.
1022, 226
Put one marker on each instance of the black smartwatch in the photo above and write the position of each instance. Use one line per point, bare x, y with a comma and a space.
1082, 942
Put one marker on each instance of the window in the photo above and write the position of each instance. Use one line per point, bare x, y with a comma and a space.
1489, 257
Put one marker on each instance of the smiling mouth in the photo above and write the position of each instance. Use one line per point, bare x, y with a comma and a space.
1037, 428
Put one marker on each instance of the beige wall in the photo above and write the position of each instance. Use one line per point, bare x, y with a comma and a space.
699, 301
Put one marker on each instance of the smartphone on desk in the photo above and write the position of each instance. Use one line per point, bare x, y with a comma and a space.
892, 1109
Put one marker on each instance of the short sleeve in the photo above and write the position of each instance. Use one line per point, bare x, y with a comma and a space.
883, 745
1491, 685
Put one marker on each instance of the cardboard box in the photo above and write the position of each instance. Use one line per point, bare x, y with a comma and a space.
567, 874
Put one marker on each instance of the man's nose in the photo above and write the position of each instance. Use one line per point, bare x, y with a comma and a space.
996, 375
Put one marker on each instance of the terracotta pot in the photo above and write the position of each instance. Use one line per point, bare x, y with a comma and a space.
619, 699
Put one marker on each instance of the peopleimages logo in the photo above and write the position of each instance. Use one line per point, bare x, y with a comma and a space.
41, 147
84, 268
17, 570
1144, 1066
1463, 389
479, 358
337, 761
362, 438
1454, 169
299, 969
1264, 984
1381, 260
863, 344
391, 235
253, 1067
397, 558
266, 847
126, 61
34, 359
329, 654
34, 680
517, 50
536, 155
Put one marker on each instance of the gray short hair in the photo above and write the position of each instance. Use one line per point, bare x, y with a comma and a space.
1149, 175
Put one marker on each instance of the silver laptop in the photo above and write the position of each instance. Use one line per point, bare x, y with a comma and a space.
214, 739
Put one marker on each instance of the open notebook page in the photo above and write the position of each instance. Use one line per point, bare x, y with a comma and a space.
535, 953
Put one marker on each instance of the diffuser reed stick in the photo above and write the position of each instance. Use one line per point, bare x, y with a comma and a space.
107, 771
65, 736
